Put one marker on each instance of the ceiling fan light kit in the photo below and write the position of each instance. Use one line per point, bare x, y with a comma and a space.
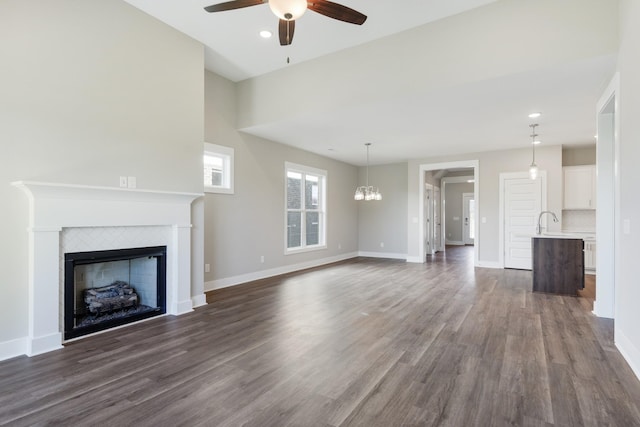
290, 10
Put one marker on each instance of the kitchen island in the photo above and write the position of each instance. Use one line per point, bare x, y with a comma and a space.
558, 264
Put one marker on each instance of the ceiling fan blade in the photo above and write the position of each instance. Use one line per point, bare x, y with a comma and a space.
234, 4
337, 11
286, 29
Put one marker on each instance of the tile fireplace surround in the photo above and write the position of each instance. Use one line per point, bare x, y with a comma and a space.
69, 218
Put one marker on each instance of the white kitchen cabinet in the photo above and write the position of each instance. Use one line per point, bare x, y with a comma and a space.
590, 255
579, 187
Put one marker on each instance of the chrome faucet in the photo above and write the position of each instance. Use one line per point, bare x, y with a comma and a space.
539, 226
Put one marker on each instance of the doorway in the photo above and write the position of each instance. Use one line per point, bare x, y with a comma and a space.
468, 225
428, 220
426, 173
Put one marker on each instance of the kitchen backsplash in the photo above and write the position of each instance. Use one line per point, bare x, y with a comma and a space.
584, 221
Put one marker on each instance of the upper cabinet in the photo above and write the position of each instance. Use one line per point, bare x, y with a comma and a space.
579, 187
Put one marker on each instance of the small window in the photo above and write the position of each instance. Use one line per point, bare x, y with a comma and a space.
218, 169
305, 211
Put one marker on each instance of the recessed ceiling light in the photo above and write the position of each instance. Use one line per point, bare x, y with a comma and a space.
534, 115
536, 142
265, 34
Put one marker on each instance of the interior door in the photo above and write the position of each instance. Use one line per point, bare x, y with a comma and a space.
468, 212
428, 219
437, 226
522, 204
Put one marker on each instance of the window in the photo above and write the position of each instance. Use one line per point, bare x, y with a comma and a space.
305, 208
218, 169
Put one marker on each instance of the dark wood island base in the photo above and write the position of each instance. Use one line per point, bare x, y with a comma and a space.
558, 265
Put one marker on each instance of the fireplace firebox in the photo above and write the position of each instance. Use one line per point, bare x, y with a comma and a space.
105, 289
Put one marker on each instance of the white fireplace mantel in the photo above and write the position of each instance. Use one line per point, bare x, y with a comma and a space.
54, 207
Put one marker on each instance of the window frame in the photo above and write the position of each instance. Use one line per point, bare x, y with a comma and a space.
227, 156
322, 210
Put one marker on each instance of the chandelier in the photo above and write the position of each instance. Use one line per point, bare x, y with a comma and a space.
367, 192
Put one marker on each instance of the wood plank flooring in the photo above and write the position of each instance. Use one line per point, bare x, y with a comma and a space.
360, 343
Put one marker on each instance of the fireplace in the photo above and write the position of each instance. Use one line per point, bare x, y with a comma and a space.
105, 289
72, 219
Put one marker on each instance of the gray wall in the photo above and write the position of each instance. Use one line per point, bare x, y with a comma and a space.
577, 156
240, 228
384, 221
454, 208
91, 90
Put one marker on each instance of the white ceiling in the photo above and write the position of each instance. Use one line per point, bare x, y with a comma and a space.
234, 49
481, 116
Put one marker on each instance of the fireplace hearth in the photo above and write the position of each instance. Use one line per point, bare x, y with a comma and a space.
105, 289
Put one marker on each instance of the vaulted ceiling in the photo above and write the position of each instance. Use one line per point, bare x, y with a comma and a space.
418, 79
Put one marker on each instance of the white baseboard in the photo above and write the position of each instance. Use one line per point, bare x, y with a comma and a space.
181, 307
13, 348
629, 351
488, 264
388, 255
454, 242
199, 300
415, 259
263, 274
44, 344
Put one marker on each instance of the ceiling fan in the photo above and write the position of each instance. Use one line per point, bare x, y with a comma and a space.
290, 10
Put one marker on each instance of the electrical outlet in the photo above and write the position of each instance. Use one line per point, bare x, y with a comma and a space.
131, 182
207, 268
262, 259
123, 181
339, 245
382, 244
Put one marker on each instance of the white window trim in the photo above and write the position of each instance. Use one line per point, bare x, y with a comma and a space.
294, 167
229, 152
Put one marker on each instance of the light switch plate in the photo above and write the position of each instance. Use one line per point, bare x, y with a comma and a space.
123, 181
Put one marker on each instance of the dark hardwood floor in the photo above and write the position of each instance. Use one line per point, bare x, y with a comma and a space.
361, 343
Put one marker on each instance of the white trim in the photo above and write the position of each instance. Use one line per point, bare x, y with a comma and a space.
454, 243
263, 274
542, 175
630, 352
489, 264
475, 164
387, 255
415, 260
606, 305
13, 348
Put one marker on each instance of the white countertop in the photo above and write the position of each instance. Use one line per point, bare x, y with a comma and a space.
565, 235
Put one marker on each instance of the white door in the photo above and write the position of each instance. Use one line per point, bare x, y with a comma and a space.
428, 219
437, 227
522, 204
469, 213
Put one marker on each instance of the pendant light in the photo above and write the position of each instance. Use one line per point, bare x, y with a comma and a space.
366, 192
533, 169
